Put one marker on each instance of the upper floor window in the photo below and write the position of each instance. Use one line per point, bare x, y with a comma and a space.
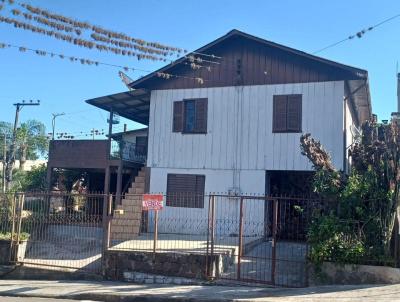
190, 116
287, 111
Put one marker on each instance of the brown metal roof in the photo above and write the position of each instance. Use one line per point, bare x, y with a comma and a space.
133, 105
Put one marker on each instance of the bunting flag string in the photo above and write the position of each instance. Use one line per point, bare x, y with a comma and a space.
78, 41
135, 49
100, 47
85, 61
97, 29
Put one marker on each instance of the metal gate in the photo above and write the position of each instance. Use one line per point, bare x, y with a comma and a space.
267, 237
57, 230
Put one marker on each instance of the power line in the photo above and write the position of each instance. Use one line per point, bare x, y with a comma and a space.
359, 34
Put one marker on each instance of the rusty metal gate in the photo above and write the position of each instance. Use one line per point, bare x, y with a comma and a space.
57, 230
266, 236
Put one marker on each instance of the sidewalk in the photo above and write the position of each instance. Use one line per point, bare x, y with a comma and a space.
118, 292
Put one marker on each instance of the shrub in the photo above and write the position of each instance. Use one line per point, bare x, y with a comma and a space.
334, 240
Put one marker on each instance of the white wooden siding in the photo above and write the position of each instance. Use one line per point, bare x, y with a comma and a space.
240, 134
349, 134
195, 221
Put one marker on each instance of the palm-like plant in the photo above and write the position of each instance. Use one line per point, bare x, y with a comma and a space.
31, 141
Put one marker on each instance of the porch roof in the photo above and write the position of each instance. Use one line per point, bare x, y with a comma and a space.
133, 105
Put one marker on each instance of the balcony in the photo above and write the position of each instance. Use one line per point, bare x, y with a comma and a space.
128, 151
81, 154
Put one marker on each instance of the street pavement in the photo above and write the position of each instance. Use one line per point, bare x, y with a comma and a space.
126, 292
26, 299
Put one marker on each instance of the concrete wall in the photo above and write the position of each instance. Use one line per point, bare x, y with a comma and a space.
84, 154
331, 273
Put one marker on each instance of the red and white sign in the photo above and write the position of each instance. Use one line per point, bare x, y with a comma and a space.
152, 202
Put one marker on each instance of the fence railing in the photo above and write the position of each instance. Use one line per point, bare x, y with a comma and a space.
256, 238
247, 238
53, 229
128, 151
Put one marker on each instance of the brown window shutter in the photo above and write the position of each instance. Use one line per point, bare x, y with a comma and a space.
201, 115
279, 113
178, 117
294, 113
185, 190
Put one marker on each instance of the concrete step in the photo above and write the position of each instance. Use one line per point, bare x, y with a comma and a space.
125, 236
133, 191
132, 205
139, 179
125, 222
142, 172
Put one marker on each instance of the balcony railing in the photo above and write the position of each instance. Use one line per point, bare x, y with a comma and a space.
128, 151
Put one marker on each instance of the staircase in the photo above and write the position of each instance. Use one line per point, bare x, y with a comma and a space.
125, 224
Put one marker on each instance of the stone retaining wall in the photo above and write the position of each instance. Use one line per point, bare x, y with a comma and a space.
331, 273
118, 263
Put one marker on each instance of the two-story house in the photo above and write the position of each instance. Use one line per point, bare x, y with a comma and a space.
237, 130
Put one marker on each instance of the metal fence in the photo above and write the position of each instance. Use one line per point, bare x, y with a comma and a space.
260, 239
256, 238
54, 229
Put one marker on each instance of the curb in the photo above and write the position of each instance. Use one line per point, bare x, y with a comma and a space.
117, 298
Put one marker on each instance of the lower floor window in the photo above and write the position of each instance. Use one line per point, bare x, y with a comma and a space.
185, 190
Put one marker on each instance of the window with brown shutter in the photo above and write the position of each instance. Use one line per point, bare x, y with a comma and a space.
177, 124
287, 113
201, 115
185, 190
190, 116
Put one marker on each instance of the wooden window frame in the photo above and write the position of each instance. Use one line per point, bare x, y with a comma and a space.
196, 199
286, 129
179, 117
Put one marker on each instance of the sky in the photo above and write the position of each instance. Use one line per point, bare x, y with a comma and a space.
63, 87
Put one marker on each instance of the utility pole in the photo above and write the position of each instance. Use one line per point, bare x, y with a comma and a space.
4, 163
11, 159
53, 122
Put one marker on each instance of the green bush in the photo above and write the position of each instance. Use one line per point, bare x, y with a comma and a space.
334, 240
7, 236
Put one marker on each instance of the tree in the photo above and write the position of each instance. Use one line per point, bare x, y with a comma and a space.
33, 180
370, 194
31, 141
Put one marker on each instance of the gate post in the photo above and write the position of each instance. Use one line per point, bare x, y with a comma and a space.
274, 232
18, 205
13, 213
240, 253
210, 237
107, 209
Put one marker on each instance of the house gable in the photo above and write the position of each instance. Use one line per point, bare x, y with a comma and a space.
248, 60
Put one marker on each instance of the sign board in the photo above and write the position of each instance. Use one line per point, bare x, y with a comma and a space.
152, 202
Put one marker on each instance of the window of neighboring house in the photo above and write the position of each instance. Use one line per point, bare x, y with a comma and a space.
190, 116
185, 190
287, 113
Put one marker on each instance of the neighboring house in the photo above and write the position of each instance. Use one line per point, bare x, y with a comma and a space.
238, 131
126, 155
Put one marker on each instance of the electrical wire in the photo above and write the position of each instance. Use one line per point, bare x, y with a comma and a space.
359, 34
